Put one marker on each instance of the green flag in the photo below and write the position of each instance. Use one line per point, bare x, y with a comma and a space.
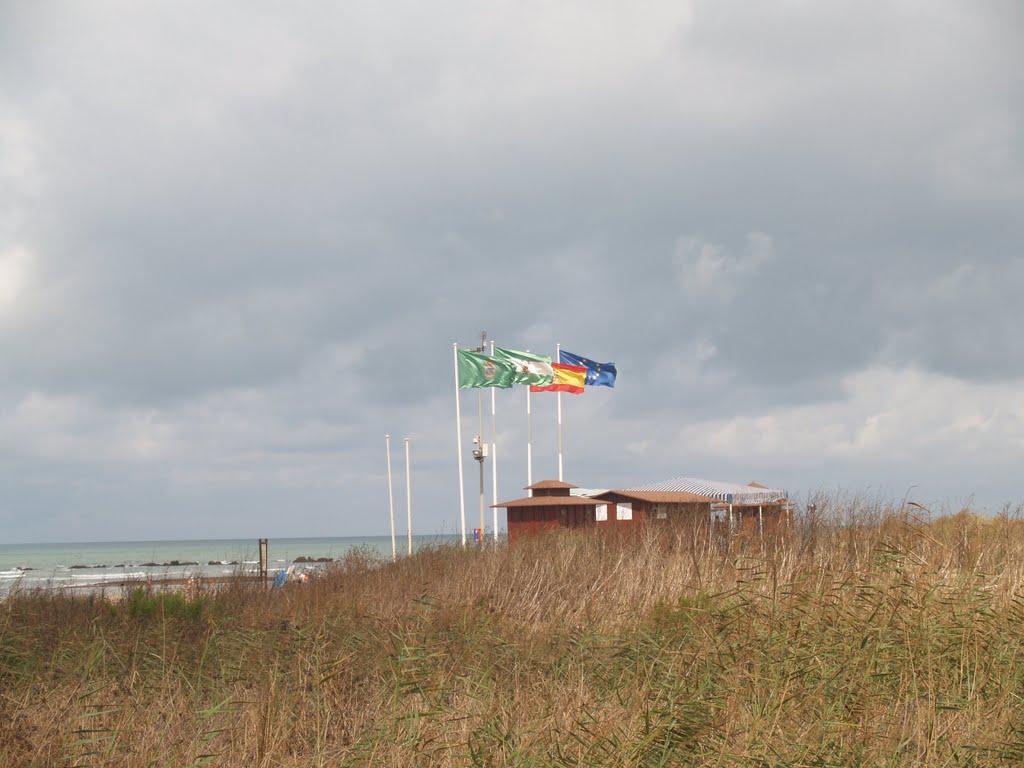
529, 368
476, 370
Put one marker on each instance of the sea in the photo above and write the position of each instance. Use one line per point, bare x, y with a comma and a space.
90, 565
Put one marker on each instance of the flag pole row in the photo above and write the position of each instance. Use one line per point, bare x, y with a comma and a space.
500, 368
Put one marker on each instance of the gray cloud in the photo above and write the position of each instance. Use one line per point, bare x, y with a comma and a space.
236, 244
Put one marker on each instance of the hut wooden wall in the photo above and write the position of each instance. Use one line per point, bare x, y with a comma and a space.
530, 521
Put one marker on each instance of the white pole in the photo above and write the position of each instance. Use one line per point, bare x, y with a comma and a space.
558, 358
408, 494
494, 458
391, 499
458, 443
482, 446
529, 441
760, 522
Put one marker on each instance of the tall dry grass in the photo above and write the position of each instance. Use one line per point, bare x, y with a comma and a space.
868, 635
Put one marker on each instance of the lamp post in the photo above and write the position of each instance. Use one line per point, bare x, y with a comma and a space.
480, 449
480, 453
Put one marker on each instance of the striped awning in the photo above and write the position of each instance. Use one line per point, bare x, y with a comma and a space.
730, 493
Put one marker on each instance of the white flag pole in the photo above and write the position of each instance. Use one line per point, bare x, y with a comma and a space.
408, 494
494, 459
558, 358
483, 455
391, 499
529, 442
458, 443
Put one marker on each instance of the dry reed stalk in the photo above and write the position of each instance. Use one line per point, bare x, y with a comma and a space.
867, 635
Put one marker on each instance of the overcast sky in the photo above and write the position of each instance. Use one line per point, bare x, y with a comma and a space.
237, 242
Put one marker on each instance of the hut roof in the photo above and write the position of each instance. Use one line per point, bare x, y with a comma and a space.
657, 497
549, 501
548, 484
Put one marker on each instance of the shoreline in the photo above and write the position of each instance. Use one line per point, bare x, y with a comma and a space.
117, 591
114, 561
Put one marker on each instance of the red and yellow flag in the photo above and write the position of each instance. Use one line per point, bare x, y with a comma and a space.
568, 378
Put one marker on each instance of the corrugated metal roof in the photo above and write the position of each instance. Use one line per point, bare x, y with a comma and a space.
731, 493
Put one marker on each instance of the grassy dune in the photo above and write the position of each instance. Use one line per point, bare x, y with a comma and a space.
865, 637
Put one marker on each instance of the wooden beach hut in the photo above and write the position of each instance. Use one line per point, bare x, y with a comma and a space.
730, 506
550, 505
727, 507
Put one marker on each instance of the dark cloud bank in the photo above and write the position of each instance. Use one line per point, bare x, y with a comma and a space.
237, 245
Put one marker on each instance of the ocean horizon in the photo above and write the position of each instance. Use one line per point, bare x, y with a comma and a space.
90, 564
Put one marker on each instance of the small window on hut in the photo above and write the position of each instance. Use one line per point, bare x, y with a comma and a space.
661, 511
601, 512
623, 511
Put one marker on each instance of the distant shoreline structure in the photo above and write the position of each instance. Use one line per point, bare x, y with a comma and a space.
53, 566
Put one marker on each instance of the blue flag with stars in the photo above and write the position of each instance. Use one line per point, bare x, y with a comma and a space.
598, 374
